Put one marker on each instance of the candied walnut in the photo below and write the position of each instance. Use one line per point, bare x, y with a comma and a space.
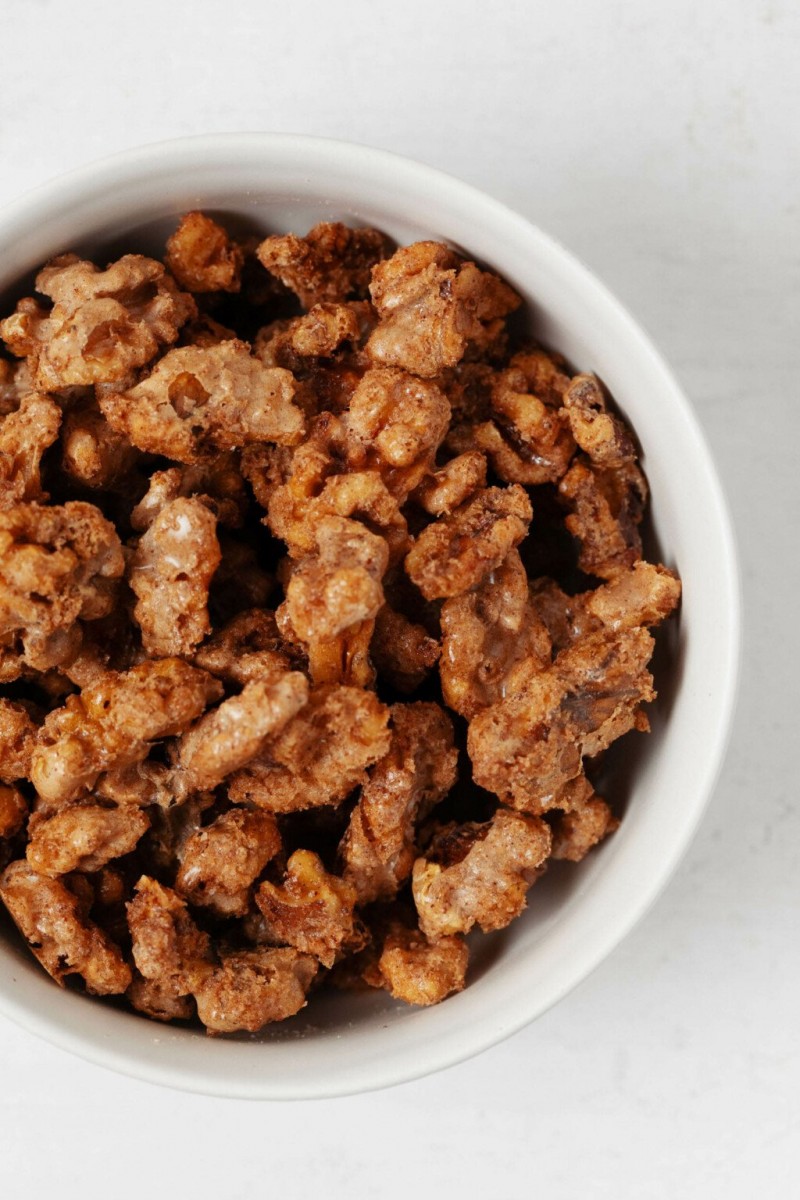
252, 988
606, 509
479, 873
445, 489
57, 563
546, 374
644, 595
216, 481
248, 648
604, 437
564, 617
298, 491
203, 398
13, 810
321, 755
527, 440
220, 863
83, 837
103, 324
52, 920
228, 737
584, 820
24, 436
417, 772
170, 574
17, 740
331, 263
113, 722
157, 999
455, 553
419, 971
312, 910
92, 453
485, 633
395, 424
526, 747
168, 948
432, 305
403, 653
202, 257
333, 597
142, 783
316, 334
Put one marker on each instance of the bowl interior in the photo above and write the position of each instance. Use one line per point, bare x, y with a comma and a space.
345, 1042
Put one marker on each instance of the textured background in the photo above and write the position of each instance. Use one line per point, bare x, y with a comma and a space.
660, 143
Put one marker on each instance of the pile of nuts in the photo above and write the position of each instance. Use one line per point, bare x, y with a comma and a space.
320, 602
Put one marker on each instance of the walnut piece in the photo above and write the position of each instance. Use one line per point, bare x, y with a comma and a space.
13, 810
51, 919
320, 756
230, 736
299, 489
83, 837
601, 435
606, 509
252, 988
479, 874
431, 305
445, 489
395, 424
170, 574
420, 971
24, 436
113, 722
312, 910
332, 600
418, 770
203, 398
168, 948
103, 324
247, 648
456, 552
220, 862
92, 453
528, 438
526, 747
202, 257
57, 563
485, 633
331, 263
403, 652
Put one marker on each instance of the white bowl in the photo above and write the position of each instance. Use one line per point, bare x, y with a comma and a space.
348, 1043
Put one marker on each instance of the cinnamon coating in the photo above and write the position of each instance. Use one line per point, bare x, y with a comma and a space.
25, 434
52, 920
170, 574
198, 399
103, 324
332, 263
479, 874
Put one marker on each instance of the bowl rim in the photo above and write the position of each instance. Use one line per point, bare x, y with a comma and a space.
112, 170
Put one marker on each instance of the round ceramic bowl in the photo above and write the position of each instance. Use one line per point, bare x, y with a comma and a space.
343, 1042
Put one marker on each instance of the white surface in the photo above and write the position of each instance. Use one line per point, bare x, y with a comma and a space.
660, 143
